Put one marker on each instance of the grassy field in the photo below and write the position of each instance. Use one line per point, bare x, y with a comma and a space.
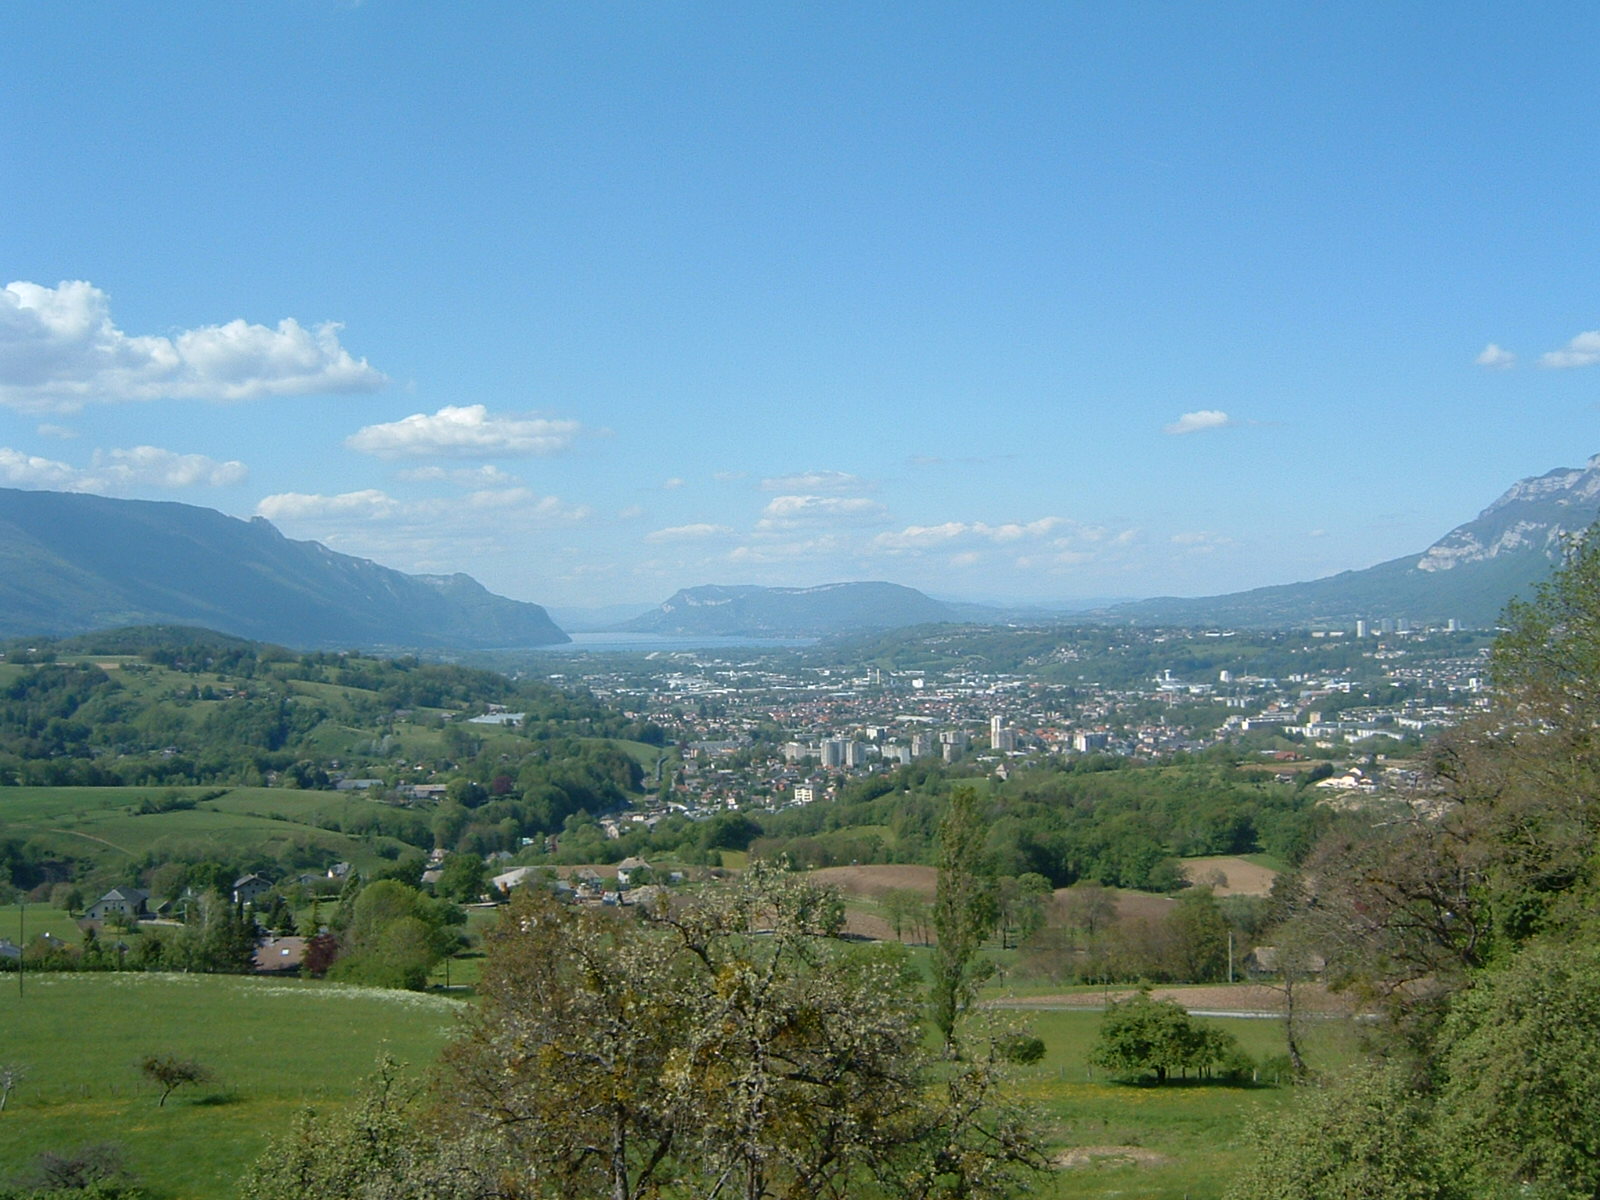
277, 1045
1182, 1141
101, 824
273, 1046
22, 925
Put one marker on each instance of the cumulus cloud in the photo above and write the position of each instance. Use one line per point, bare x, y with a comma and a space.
814, 482
116, 472
150, 466
927, 537
1048, 545
465, 431
784, 512
373, 504
1194, 422
30, 471
1494, 357
1581, 351
689, 533
370, 504
60, 349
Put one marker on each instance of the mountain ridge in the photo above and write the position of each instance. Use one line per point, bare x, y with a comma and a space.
1469, 574
73, 562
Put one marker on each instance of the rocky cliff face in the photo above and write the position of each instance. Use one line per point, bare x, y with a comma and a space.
1534, 514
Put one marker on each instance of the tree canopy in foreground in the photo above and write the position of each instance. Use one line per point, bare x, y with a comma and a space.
726, 1047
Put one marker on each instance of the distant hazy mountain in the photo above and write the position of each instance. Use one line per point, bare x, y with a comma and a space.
72, 563
1469, 574
750, 611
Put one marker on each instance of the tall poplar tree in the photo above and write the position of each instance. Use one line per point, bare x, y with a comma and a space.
964, 911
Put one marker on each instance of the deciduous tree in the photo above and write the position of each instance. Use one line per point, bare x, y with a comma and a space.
1142, 1035
728, 1047
169, 1073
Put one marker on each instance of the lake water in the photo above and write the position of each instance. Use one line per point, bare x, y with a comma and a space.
645, 643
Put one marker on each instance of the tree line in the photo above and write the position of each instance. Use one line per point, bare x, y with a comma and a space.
1468, 922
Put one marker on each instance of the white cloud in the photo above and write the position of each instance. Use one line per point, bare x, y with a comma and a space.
1493, 356
1581, 351
689, 533
784, 512
60, 349
149, 466
116, 472
1048, 545
813, 482
1194, 422
927, 537
372, 504
671, 485
30, 471
57, 431
465, 431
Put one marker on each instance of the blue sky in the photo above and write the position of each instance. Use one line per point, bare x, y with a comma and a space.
1029, 302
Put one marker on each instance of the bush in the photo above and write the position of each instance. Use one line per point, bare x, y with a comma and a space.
93, 1172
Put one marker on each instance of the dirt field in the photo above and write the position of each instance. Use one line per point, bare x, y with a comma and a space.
1242, 878
872, 881
1143, 906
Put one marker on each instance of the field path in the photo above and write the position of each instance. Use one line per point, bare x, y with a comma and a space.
92, 838
1208, 1000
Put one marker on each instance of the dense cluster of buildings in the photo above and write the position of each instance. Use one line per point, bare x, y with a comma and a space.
771, 732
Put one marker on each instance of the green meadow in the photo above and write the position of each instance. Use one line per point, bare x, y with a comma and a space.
1179, 1141
275, 1046
103, 824
272, 1047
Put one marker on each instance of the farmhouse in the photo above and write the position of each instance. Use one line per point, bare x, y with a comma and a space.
628, 868
120, 901
247, 889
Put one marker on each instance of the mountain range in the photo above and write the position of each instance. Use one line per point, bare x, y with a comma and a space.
1468, 575
74, 563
